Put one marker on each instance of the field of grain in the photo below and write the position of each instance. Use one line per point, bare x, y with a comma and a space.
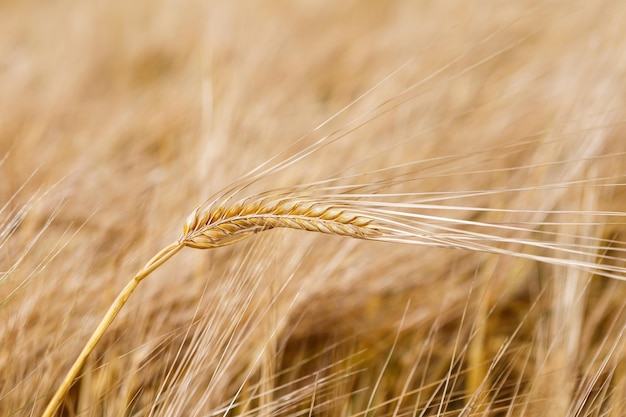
490, 136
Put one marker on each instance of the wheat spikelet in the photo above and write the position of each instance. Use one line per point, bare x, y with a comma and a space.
225, 225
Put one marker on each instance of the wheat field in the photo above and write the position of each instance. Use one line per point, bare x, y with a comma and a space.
464, 161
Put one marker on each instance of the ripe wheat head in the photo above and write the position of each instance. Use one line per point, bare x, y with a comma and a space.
224, 225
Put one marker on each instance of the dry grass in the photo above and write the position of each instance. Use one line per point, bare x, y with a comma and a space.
483, 143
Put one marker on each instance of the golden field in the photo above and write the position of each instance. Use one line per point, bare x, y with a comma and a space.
491, 132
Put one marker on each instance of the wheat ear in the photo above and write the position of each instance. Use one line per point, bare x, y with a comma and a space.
223, 225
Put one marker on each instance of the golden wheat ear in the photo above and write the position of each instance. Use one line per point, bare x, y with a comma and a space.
220, 226
211, 227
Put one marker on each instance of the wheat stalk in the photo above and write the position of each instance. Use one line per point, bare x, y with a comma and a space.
158, 260
212, 227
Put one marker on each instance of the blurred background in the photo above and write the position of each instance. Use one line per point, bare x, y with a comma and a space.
118, 118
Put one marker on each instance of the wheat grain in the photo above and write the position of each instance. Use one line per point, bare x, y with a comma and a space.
224, 225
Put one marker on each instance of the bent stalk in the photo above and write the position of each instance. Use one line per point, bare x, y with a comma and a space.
158, 260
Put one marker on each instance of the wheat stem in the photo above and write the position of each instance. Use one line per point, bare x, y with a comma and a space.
221, 226
158, 260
